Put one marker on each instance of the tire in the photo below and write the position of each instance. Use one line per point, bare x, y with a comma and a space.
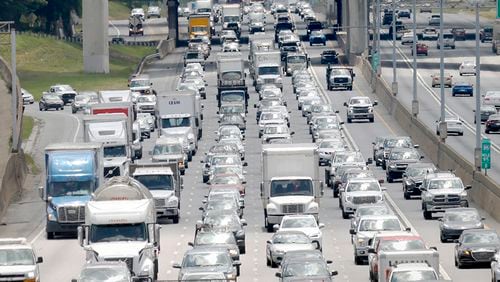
268, 261
406, 195
442, 238
349, 88
372, 119
50, 235
190, 157
358, 260
243, 250
427, 214
349, 120
205, 179
345, 215
183, 172
73, 111
389, 178
175, 219
486, 131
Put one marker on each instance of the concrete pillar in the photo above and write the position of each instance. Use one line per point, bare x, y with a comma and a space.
95, 36
173, 19
338, 12
344, 18
357, 13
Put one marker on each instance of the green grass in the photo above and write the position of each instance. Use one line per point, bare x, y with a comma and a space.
32, 167
118, 10
28, 123
42, 62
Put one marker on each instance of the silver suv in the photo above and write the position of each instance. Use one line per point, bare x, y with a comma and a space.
359, 191
441, 191
448, 41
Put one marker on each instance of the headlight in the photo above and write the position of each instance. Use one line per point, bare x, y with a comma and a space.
271, 208
380, 198
313, 208
361, 240
392, 166
190, 136
230, 276
279, 80
348, 198
260, 80
351, 110
51, 217
172, 202
31, 274
463, 194
466, 252
370, 110
315, 235
233, 252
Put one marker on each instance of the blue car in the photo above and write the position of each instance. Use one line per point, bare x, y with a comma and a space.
462, 88
317, 37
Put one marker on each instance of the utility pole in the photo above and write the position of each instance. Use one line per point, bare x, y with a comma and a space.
477, 149
394, 81
443, 130
414, 102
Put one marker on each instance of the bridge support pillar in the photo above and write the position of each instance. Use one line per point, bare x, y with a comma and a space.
95, 36
172, 18
357, 18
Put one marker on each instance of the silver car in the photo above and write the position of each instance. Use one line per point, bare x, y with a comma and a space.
285, 241
203, 258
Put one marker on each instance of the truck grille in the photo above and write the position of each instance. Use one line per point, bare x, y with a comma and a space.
160, 202
364, 200
360, 110
71, 214
111, 171
269, 80
128, 261
147, 108
12, 277
483, 255
447, 199
340, 80
68, 96
292, 208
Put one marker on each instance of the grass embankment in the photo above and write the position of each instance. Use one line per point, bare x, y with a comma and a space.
42, 62
118, 10
28, 124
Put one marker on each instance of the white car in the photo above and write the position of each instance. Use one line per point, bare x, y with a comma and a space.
18, 260
407, 38
453, 125
154, 11
430, 33
233, 47
492, 98
27, 97
467, 67
137, 12
306, 223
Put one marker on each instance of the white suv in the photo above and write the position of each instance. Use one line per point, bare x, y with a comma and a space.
359, 191
19, 261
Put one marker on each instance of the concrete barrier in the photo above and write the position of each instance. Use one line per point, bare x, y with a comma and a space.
165, 47
485, 191
12, 180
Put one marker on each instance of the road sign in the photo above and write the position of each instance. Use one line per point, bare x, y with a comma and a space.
375, 60
498, 9
486, 153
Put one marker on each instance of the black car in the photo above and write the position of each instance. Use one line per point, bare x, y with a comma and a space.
398, 160
50, 101
224, 222
492, 124
395, 142
378, 149
476, 246
388, 17
414, 176
456, 220
485, 112
284, 50
329, 57
314, 25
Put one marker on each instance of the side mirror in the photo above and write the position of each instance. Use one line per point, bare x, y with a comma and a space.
456, 241
408, 229
321, 225
269, 242
276, 227
370, 161
345, 104
243, 222
201, 208
383, 189
176, 265
381, 181
255, 105
39, 259
335, 273
352, 231
278, 274
375, 102
292, 133
421, 157
245, 164
328, 261
423, 188
440, 219
191, 244
468, 187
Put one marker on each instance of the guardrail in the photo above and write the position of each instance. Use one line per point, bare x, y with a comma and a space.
79, 40
485, 191
165, 46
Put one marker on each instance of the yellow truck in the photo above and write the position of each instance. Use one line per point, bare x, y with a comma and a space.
199, 25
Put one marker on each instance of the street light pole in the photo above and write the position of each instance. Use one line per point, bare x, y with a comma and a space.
394, 82
414, 102
378, 36
477, 149
443, 131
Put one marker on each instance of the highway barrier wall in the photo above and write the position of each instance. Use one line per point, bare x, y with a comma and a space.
165, 47
13, 168
485, 191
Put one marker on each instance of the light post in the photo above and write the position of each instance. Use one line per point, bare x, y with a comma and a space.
394, 81
477, 148
443, 130
414, 102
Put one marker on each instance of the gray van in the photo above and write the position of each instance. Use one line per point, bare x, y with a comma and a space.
448, 41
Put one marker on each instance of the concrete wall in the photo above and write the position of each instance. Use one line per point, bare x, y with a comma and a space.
485, 192
95, 36
165, 47
13, 169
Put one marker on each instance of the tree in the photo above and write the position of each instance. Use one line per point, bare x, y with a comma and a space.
11, 10
59, 11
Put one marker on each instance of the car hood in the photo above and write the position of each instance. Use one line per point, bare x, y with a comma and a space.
293, 247
364, 193
308, 279
286, 200
16, 269
407, 161
484, 247
462, 225
218, 268
357, 105
168, 157
445, 191
164, 194
118, 249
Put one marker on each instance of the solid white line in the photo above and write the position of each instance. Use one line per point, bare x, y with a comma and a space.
114, 26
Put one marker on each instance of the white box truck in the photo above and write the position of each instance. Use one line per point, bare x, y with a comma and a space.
179, 112
267, 69
165, 183
290, 181
230, 73
120, 225
112, 131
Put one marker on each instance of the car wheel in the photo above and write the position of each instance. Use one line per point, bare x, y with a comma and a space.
345, 215
371, 119
427, 214
242, 250
453, 94
175, 219
349, 120
268, 261
486, 131
406, 195
183, 172
50, 235
389, 178
442, 238
358, 260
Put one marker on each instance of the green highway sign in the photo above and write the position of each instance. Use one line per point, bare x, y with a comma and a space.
498, 9
486, 153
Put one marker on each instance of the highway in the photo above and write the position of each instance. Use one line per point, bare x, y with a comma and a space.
429, 98
63, 258
155, 29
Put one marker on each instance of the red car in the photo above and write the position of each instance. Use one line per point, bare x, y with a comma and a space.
422, 49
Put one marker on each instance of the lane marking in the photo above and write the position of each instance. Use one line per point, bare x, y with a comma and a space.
117, 30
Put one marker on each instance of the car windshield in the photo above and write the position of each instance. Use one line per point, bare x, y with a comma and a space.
446, 184
402, 245
269, 70
414, 275
291, 238
221, 220
296, 59
156, 182
236, 169
225, 180
140, 83
9, 257
115, 151
299, 222
70, 188
232, 97
418, 171
362, 186
271, 115
480, 238
101, 274
359, 101
175, 122
305, 269
331, 144
225, 160
390, 224
404, 155
301, 187
206, 260
361, 211
118, 232
275, 130
192, 55
230, 131
462, 216
348, 158
214, 238
397, 143
232, 109
166, 149
222, 204
269, 103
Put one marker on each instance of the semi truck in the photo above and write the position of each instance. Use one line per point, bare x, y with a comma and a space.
73, 171
178, 113
112, 131
267, 69
389, 260
230, 73
165, 183
290, 181
120, 225
199, 25
133, 131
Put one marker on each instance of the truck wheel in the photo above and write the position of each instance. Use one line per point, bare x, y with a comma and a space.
389, 178
183, 172
406, 195
190, 157
73, 111
345, 215
242, 250
357, 260
269, 226
349, 88
372, 119
50, 235
349, 120
175, 219
427, 214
